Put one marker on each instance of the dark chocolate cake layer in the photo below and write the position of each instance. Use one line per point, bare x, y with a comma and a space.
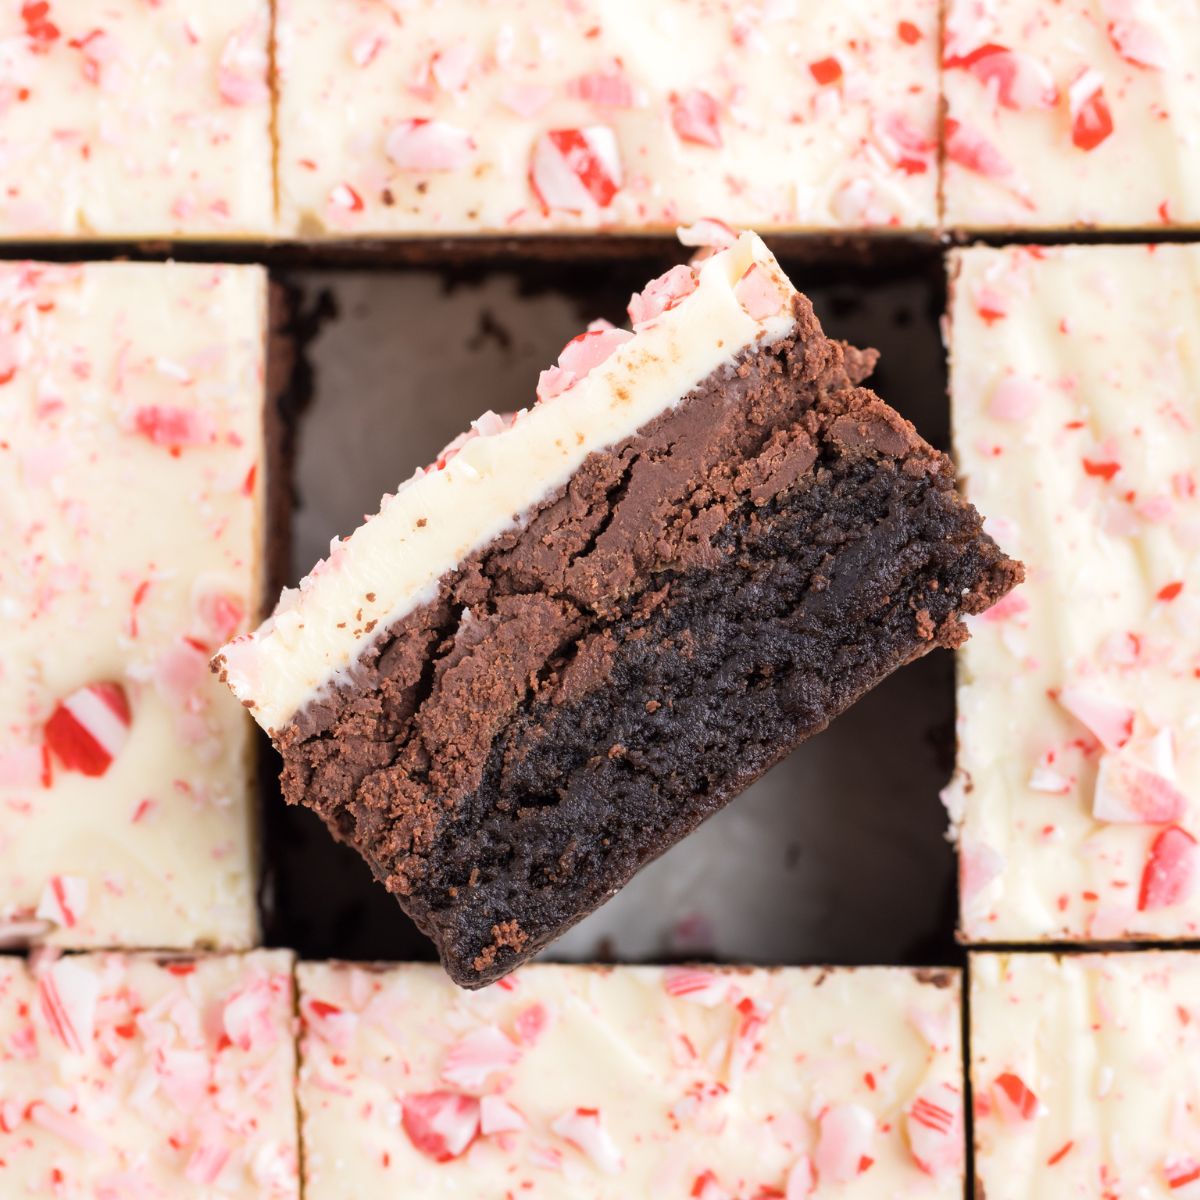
586, 689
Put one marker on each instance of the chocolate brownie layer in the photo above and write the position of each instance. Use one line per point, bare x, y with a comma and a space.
589, 687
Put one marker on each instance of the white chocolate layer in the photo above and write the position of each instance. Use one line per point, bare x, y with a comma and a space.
392, 564
775, 114
129, 1079
131, 119
131, 496
1076, 113
1084, 1072
1075, 383
564, 1082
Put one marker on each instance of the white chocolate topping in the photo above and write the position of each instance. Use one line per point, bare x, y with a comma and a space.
608, 385
131, 458
125, 1078
609, 1083
1084, 1075
134, 118
1075, 382
453, 116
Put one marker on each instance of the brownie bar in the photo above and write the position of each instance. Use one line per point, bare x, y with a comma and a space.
583, 688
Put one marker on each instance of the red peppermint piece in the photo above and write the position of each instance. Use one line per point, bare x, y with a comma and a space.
1015, 1102
695, 117
1137, 43
221, 614
826, 70
1091, 120
1179, 1172
67, 994
843, 1143
576, 170
1019, 80
441, 1125
343, 196
63, 900
88, 729
420, 144
934, 1124
1169, 591
1100, 470
970, 149
584, 1129
662, 294
708, 233
606, 89
40, 30
706, 1186
759, 293
1169, 875
169, 425
472, 1059
706, 988
910, 35
579, 356
1128, 792
1112, 723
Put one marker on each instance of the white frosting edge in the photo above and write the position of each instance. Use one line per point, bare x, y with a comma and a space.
440, 517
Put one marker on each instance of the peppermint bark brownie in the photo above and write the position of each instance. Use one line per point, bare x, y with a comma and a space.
1079, 751
135, 120
127, 1078
1077, 113
133, 453
536, 116
591, 624
1083, 1072
561, 1082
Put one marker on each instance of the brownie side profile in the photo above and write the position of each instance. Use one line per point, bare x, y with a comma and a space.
589, 687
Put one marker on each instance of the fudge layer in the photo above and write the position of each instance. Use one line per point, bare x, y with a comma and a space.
1076, 400
1083, 1075
1077, 113
131, 119
591, 624
633, 1081
127, 1078
460, 118
132, 464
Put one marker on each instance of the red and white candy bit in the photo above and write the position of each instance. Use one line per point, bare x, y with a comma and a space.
607, 89
844, 1143
63, 900
584, 1129
220, 614
207, 1161
344, 198
471, 1060
496, 1115
1018, 80
1110, 721
174, 427
1091, 120
330, 1022
978, 865
708, 233
695, 116
934, 1123
242, 67
441, 1125
707, 1186
579, 356
801, 1181
576, 170
250, 1014
1137, 43
1014, 1102
420, 144
1182, 1173
706, 988
969, 148
88, 729
662, 294
1169, 876
67, 994
759, 293
1128, 791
